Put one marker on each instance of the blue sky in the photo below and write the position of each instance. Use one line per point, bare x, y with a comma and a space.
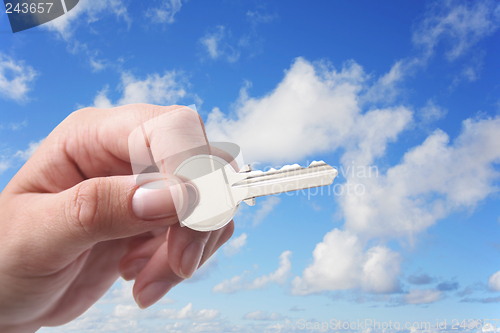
410, 89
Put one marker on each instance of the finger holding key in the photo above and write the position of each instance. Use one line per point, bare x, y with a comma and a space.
165, 142
156, 279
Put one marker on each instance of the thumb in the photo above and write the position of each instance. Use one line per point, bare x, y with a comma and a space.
108, 208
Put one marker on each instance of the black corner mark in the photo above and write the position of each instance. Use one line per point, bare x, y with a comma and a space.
70, 4
26, 14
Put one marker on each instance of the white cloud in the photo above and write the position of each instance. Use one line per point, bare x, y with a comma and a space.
95, 319
326, 106
212, 40
26, 154
15, 78
234, 246
4, 165
217, 47
128, 311
494, 282
165, 13
15, 126
237, 283
87, 11
10, 160
187, 312
263, 315
264, 209
433, 179
313, 102
229, 286
381, 268
279, 276
129, 318
256, 17
422, 296
431, 112
154, 89
120, 293
386, 87
339, 264
97, 64
462, 25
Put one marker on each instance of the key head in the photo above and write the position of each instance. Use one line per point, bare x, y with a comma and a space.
217, 203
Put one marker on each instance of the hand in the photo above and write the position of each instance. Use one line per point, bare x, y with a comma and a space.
73, 218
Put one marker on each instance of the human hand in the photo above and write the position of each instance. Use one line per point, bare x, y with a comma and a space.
73, 219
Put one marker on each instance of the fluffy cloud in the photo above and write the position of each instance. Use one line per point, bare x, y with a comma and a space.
265, 208
165, 13
187, 312
128, 318
494, 282
16, 78
4, 165
163, 89
434, 179
237, 282
263, 315
431, 112
279, 276
8, 161
26, 154
216, 46
229, 286
235, 245
462, 25
422, 296
256, 17
314, 102
87, 11
458, 25
340, 263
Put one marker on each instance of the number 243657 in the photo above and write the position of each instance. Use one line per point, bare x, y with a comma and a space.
28, 8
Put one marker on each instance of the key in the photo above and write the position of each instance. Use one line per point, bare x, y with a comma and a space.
220, 189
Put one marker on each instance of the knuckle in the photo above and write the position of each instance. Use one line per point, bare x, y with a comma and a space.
78, 114
186, 114
84, 207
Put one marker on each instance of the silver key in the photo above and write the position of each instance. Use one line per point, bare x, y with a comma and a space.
220, 189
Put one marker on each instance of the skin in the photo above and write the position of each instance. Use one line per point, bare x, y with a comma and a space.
69, 227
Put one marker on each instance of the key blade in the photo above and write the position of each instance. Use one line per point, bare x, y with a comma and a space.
288, 178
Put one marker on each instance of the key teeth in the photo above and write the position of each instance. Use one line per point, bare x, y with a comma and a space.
290, 167
295, 166
246, 168
316, 163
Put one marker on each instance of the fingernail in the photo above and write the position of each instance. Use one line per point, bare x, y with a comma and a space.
191, 258
152, 293
158, 199
134, 268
